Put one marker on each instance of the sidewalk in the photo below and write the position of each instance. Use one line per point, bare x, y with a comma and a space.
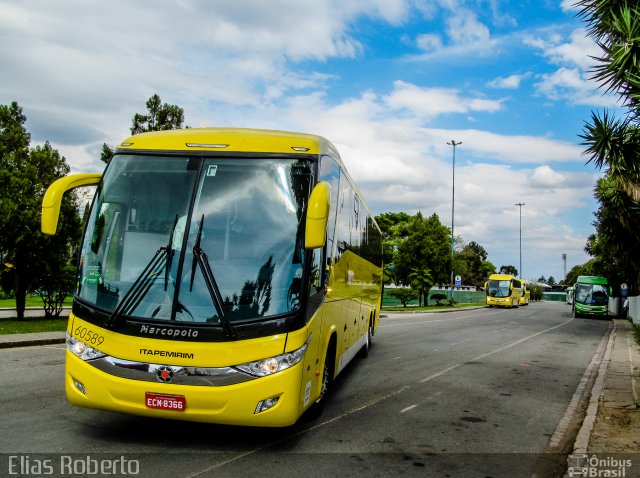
612, 424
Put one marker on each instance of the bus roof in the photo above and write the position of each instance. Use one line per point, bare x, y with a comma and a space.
230, 140
501, 277
592, 280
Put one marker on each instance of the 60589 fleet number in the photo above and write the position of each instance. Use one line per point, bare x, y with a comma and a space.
88, 335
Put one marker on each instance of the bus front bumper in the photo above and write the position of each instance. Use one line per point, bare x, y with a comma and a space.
87, 386
592, 310
503, 302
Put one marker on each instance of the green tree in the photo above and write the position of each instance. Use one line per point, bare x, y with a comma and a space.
55, 286
509, 270
422, 281
388, 274
613, 144
404, 295
476, 267
159, 117
427, 245
25, 174
580, 270
551, 281
536, 292
439, 297
487, 268
394, 227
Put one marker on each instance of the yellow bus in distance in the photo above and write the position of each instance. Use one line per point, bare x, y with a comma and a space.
525, 298
503, 290
226, 276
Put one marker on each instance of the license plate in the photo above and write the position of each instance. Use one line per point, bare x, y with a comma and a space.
176, 403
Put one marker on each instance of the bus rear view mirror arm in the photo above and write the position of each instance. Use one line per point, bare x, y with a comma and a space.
317, 216
53, 198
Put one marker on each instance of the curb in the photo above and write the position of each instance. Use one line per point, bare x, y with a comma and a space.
384, 313
584, 434
31, 342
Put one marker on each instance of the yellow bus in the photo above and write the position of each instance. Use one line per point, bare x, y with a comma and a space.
226, 276
525, 297
503, 290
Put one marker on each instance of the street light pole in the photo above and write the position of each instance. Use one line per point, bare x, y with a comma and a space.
453, 197
520, 204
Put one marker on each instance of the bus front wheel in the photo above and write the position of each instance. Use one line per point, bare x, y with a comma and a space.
327, 378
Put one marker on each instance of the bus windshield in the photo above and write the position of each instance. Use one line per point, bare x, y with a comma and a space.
205, 240
498, 288
591, 294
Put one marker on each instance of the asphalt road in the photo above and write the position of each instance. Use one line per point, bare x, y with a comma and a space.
469, 393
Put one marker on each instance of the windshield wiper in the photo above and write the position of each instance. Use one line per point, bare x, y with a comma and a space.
170, 253
140, 286
200, 257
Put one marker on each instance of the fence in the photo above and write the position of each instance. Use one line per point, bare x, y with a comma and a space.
634, 309
555, 296
460, 296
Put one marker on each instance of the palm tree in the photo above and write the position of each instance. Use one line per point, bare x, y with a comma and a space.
613, 144
421, 280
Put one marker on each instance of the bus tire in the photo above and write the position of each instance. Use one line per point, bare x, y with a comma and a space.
328, 370
368, 339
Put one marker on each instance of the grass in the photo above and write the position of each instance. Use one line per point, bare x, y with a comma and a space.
31, 301
414, 308
31, 325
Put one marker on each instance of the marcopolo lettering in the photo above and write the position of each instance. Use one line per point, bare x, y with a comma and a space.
166, 353
168, 331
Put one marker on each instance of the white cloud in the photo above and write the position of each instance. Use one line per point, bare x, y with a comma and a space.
429, 42
511, 82
464, 36
464, 28
568, 5
80, 69
431, 102
570, 84
578, 51
512, 149
571, 81
575, 52
545, 177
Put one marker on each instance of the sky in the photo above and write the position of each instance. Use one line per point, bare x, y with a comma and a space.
389, 82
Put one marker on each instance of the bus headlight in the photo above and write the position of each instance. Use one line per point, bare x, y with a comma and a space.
271, 365
82, 350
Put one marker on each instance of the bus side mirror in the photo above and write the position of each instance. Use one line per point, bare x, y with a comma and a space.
317, 216
53, 198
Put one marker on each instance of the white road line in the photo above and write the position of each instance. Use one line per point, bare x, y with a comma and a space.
487, 354
437, 320
460, 342
430, 397
372, 402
